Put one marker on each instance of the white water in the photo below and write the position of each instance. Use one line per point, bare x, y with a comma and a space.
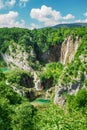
67, 50
76, 45
37, 82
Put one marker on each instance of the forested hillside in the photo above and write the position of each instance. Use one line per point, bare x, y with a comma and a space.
49, 64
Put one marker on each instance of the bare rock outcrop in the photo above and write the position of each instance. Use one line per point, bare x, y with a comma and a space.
71, 88
53, 54
74, 84
18, 57
63, 52
68, 49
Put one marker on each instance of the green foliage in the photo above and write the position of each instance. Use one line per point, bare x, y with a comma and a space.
52, 70
16, 113
2, 63
5, 114
78, 66
17, 117
2, 76
81, 98
39, 40
14, 109
53, 118
20, 77
85, 82
23, 117
8, 93
78, 102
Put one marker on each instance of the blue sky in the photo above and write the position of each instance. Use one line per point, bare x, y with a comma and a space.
40, 13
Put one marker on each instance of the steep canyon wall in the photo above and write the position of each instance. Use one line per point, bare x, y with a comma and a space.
63, 52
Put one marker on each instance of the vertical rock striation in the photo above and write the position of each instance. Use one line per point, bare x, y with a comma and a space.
68, 49
19, 58
63, 52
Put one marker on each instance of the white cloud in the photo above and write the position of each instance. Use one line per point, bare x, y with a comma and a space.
9, 20
49, 16
22, 3
69, 16
81, 21
46, 15
7, 3
85, 14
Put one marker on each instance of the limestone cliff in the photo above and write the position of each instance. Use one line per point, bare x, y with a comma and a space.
68, 49
53, 54
63, 52
73, 77
62, 88
18, 57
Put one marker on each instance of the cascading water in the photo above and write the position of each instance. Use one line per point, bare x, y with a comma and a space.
67, 50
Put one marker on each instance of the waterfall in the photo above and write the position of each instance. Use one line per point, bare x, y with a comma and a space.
76, 44
67, 50
37, 82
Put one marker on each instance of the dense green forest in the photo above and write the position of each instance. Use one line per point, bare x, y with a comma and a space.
18, 112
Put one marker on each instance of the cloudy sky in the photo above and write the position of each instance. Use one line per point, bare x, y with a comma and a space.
40, 13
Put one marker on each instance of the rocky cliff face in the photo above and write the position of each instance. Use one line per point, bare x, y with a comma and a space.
64, 52
73, 77
68, 49
53, 54
70, 88
18, 57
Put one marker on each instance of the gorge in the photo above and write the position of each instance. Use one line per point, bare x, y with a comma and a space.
48, 64
17, 56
